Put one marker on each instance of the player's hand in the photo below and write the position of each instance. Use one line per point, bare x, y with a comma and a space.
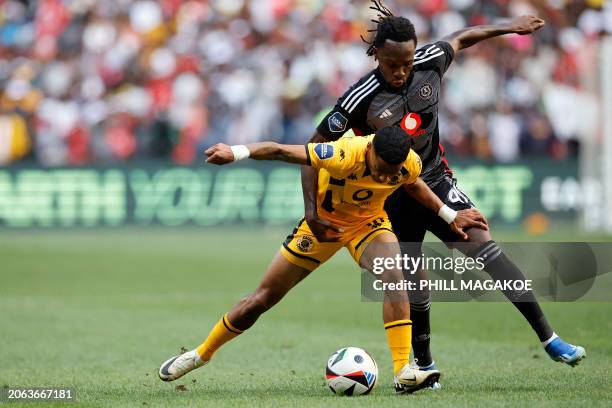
470, 218
219, 154
525, 24
323, 230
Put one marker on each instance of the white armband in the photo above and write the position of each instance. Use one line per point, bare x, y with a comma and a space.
240, 152
447, 214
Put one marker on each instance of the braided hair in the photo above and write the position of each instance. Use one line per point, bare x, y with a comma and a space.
388, 27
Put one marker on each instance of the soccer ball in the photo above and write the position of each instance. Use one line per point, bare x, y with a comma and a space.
351, 371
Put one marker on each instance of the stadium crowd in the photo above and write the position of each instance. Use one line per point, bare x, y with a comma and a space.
85, 81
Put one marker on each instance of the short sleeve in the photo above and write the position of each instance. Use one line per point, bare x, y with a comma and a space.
350, 109
436, 56
335, 157
413, 166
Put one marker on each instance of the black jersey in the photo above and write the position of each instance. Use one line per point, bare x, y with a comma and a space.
370, 105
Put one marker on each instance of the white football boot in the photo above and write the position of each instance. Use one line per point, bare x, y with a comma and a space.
409, 380
177, 366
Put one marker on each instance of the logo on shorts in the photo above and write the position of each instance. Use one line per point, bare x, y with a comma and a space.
324, 151
305, 243
456, 196
337, 122
426, 91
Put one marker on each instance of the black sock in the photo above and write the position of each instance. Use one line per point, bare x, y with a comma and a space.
421, 332
501, 268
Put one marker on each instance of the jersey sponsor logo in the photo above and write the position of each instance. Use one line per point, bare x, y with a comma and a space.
324, 151
411, 124
426, 91
337, 122
362, 195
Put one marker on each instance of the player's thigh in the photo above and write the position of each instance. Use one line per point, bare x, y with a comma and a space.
280, 277
380, 256
302, 249
368, 233
375, 243
383, 246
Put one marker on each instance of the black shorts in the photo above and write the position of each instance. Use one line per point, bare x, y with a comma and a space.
411, 220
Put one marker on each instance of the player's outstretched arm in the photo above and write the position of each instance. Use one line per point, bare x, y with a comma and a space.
469, 36
224, 154
459, 221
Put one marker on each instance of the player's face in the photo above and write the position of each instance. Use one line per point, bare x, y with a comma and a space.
382, 172
395, 61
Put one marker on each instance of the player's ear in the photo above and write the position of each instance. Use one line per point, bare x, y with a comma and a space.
375, 53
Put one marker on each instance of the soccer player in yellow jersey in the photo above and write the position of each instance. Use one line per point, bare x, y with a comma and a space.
356, 177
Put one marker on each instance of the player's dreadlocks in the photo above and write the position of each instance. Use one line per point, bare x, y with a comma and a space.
392, 145
388, 27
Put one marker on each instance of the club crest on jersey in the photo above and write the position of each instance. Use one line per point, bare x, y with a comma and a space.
394, 180
411, 123
305, 243
337, 122
324, 151
426, 91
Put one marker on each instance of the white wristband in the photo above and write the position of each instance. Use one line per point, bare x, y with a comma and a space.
240, 152
447, 214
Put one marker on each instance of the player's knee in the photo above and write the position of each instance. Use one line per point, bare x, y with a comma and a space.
478, 236
420, 300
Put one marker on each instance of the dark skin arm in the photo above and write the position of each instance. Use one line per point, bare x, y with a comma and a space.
467, 37
222, 154
322, 229
469, 218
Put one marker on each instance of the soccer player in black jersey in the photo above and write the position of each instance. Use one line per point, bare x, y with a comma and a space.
404, 90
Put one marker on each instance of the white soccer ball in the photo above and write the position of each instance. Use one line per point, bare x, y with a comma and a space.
351, 371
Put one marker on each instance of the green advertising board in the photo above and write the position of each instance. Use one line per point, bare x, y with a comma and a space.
245, 193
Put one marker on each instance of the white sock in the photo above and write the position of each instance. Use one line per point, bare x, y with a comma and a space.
547, 342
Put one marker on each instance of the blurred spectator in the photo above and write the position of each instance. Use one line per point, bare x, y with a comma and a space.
84, 81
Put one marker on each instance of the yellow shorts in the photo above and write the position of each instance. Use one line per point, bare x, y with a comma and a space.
301, 248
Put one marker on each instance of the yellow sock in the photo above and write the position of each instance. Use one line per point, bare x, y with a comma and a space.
399, 335
218, 336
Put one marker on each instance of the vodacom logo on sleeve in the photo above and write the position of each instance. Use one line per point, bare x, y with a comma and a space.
411, 124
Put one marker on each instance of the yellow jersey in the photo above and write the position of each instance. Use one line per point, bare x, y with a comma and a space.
347, 194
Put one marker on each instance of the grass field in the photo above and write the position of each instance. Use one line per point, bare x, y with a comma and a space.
100, 310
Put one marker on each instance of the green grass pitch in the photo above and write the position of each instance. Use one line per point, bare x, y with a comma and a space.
100, 310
